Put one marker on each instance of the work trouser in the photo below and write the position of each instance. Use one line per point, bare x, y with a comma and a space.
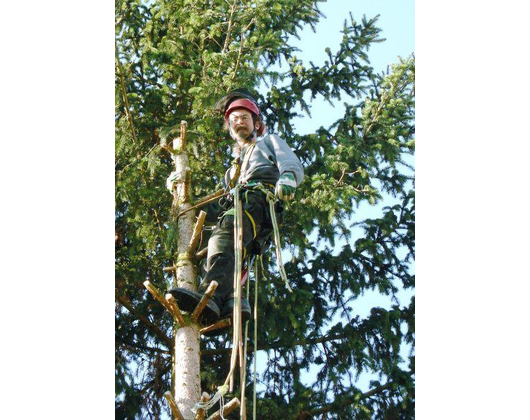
220, 264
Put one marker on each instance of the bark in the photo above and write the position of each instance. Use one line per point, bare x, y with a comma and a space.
186, 367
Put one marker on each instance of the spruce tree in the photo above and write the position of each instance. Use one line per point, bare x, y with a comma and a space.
173, 60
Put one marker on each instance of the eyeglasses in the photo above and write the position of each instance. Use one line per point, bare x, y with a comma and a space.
242, 118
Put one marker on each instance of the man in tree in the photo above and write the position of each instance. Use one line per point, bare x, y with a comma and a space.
263, 164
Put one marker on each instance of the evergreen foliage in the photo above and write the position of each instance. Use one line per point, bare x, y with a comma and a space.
174, 58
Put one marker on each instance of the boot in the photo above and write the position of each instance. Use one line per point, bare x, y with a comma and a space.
188, 300
228, 309
227, 312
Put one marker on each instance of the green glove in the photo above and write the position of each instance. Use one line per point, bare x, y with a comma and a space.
286, 186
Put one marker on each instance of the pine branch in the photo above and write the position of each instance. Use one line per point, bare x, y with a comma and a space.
138, 347
274, 346
124, 301
124, 91
350, 400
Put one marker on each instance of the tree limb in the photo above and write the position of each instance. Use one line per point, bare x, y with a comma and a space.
273, 346
124, 301
350, 400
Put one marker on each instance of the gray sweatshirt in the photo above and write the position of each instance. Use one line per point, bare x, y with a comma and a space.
269, 159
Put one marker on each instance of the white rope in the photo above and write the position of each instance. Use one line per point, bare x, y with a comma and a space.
236, 337
271, 198
219, 396
222, 407
237, 324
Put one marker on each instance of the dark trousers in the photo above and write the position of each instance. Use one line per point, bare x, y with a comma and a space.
220, 264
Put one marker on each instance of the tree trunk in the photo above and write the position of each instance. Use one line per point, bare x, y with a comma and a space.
186, 367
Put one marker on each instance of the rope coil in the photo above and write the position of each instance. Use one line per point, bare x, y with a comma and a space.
219, 396
237, 344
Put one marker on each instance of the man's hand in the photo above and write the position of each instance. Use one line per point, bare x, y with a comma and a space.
286, 186
170, 181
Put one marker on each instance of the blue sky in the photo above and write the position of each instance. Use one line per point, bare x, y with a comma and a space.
396, 19
397, 23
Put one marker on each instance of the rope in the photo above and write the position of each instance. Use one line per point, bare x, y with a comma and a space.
271, 198
238, 239
219, 396
237, 345
222, 407
254, 397
238, 245
244, 367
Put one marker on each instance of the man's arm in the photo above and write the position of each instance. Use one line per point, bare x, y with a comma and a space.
286, 160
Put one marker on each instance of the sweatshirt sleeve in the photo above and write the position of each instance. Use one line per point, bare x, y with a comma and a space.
286, 160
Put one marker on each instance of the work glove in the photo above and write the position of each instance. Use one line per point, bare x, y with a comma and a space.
286, 186
170, 181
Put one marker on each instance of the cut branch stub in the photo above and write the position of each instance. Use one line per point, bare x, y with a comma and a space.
223, 323
175, 310
228, 408
173, 405
200, 412
201, 254
196, 233
158, 296
171, 307
204, 201
204, 300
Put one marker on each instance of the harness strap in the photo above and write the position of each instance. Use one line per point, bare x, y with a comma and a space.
244, 165
252, 221
237, 164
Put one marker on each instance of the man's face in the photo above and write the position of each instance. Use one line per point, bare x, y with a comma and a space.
241, 124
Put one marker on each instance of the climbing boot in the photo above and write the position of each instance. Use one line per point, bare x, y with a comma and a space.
227, 312
228, 309
188, 300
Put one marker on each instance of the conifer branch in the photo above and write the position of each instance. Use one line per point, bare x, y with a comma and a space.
125, 302
350, 400
275, 346
124, 92
137, 347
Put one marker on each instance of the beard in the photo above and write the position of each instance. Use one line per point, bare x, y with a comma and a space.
241, 134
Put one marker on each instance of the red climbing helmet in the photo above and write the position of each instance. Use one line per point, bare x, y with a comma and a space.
241, 103
239, 98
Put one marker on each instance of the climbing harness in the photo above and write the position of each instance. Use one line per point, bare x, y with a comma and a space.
238, 348
272, 200
236, 184
241, 167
